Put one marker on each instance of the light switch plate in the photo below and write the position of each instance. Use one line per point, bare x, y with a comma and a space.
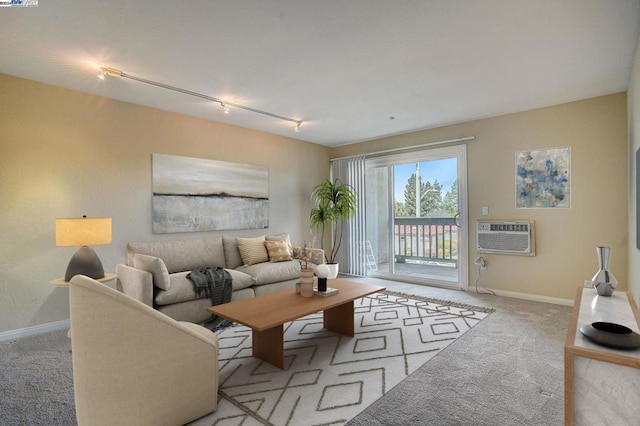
485, 210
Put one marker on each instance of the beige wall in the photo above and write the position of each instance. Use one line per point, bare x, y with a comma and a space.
596, 131
634, 145
65, 154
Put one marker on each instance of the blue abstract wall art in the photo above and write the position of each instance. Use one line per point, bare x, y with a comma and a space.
543, 178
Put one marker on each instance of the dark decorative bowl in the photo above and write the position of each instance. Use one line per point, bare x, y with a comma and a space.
611, 335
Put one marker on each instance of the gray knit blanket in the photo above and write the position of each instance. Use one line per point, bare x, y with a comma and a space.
216, 283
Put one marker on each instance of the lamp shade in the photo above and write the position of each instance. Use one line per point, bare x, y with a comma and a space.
322, 271
83, 231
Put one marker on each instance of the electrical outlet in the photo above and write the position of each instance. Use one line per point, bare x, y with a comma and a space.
485, 210
481, 262
588, 284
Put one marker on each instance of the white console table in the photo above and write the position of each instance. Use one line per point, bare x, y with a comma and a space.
602, 385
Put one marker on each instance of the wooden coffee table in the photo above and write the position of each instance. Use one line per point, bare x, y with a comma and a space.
266, 314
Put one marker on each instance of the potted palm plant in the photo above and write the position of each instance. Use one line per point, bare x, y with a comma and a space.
334, 203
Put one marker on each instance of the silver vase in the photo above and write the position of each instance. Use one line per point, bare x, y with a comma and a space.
603, 281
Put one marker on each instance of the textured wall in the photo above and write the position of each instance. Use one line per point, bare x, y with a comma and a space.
596, 131
68, 154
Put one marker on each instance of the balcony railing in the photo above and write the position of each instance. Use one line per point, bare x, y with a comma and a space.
428, 239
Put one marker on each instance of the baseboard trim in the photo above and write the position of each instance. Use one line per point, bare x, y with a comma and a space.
534, 297
36, 329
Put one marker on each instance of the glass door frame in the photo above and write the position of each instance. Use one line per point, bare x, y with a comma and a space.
429, 154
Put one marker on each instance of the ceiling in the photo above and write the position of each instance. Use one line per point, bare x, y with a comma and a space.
342, 67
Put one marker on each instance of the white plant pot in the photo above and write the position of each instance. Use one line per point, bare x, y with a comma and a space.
333, 270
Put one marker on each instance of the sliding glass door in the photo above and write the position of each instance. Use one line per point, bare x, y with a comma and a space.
416, 228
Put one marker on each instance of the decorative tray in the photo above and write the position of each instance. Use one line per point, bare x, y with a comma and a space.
330, 291
611, 335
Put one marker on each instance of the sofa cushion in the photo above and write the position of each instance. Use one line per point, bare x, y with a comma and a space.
252, 250
278, 251
182, 255
232, 256
156, 266
181, 289
267, 273
241, 280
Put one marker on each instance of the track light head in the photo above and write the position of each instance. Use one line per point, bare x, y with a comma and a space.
225, 108
110, 72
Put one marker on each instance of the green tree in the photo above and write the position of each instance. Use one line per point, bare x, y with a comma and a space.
450, 201
431, 197
410, 196
400, 210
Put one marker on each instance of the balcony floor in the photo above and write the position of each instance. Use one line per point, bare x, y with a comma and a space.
419, 271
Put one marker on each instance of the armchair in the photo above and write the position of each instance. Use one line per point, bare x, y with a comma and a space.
134, 365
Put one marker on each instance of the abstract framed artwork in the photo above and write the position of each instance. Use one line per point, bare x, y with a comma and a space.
543, 178
195, 195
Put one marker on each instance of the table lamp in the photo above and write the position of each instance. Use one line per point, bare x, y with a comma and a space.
83, 232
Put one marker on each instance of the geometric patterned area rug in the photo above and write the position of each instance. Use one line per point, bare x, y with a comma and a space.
329, 378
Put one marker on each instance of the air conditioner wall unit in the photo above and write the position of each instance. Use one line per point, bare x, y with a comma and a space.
506, 237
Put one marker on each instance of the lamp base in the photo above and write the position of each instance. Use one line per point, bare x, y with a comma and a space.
84, 262
322, 284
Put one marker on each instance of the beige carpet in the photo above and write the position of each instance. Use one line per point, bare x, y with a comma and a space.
508, 370
329, 378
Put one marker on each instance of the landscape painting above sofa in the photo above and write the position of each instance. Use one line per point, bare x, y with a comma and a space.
195, 195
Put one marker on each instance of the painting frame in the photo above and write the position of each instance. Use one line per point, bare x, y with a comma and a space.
543, 178
199, 195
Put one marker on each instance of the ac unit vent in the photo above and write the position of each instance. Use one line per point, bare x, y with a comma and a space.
506, 237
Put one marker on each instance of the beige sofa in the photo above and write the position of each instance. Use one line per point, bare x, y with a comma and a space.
156, 272
132, 365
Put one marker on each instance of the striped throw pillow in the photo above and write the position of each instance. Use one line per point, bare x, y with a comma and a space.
278, 251
252, 250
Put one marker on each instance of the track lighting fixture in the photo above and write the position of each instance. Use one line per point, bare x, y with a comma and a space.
112, 72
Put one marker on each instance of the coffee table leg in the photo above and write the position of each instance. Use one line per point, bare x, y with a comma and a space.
268, 345
340, 319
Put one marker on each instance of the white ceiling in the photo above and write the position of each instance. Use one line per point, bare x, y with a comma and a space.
341, 66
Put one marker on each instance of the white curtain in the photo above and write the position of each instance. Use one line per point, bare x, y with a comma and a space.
352, 254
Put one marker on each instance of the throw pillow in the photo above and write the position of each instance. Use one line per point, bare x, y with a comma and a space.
240, 280
278, 251
283, 236
252, 250
156, 266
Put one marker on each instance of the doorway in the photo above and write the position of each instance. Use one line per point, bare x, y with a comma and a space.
416, 222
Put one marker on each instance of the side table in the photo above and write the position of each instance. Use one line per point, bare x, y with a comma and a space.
60, 282
601, 384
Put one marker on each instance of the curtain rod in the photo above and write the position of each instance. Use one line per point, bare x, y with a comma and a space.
406, 148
